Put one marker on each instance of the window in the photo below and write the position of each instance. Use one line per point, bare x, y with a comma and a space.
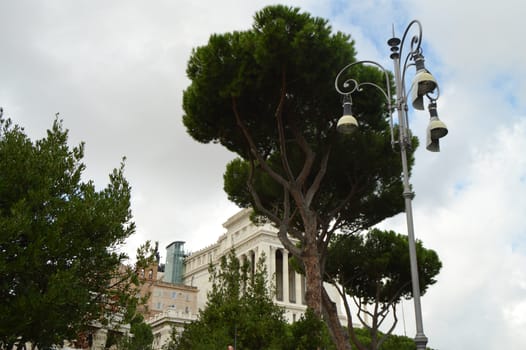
292, 285
252, 262
303, 289
279, 275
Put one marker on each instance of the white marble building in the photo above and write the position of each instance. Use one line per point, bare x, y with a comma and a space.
250, 243
163, 323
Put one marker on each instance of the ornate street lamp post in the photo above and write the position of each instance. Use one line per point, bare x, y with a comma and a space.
423, 85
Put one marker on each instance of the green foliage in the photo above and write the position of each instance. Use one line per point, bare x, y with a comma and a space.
59, 240
398, 342
239, 309
282, 71
250, 66
375, 270
141, 336
308, 333
375, 267
392, 342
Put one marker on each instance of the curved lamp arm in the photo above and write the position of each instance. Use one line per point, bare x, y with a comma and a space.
350, 85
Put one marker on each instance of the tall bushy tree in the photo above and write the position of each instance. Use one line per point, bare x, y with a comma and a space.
308, 333
392, 342
59, 240
268, 95
239, 309
374, 270
140, 338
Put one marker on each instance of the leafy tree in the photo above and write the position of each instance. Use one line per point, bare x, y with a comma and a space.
60, 264
305, 334
374, 270
239, 309
141, 336
172, 343
392, 342
268, 95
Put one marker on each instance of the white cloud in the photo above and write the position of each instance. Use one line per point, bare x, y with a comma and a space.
474, 231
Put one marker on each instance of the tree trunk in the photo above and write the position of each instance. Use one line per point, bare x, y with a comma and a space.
311, 261
338, 334
313, 280
318, 299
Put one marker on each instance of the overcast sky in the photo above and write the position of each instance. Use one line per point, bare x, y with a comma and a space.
115, 70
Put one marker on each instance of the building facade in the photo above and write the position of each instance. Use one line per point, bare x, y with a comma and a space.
164, 323
164, 295
169, 305
251, 242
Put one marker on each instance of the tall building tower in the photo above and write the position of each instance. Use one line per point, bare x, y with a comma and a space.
174, 268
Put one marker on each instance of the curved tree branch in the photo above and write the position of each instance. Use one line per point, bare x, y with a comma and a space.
255, 196
285, 226
315, 186
350, 326
330, 313
395, 321
253, 149
281, 130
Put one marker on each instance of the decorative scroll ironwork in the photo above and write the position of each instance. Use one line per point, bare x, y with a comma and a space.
350, 85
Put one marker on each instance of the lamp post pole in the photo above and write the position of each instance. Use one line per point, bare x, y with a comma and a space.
404, 142
423, 85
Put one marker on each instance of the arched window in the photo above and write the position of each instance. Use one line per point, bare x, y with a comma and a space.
279, 275
252, 261
292, 284
303, 289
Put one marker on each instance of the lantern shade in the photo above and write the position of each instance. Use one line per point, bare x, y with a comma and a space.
435, 130
347, 124
423, 83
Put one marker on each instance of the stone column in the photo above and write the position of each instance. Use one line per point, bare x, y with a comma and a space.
298, 287
285, 276
270, 261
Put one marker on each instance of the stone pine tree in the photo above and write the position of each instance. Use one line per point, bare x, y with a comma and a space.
239, 310
374, 270
59, 241
268, 95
